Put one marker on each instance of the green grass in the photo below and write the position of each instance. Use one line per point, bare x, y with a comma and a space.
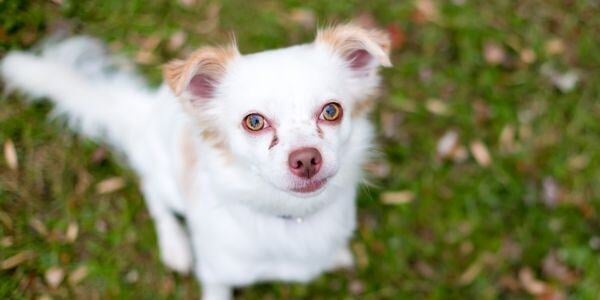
469, 232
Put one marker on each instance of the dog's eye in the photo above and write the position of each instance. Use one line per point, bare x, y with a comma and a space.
331, 112
254, 122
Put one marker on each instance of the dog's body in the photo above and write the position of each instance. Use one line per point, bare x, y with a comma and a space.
253, 210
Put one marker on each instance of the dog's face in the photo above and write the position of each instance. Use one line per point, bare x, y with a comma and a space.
285, 115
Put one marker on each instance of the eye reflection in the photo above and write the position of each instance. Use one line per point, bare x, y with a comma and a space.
332, 112
254, 122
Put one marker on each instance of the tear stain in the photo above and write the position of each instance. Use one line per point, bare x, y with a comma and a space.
274, 141
319, 131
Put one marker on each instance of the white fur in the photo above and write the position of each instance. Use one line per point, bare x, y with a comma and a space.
245, 224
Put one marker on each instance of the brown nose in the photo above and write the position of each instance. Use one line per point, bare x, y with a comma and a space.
305, 162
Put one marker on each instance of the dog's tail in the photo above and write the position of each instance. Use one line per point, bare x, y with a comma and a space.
101, 99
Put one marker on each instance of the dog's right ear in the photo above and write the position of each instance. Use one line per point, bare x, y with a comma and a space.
197, 77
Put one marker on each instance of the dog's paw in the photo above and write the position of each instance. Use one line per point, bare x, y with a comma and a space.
175, 248
343, 259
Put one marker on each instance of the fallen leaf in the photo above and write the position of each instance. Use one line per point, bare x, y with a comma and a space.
397, 35
531, 284
447, 143
72, 232
551, 192
356, 287
507, 139
360, 252
555, 46
481, 154
304, 17
132, 276
397, 197
110, 185
390, 123
426, 10
594, 242
379, 169
437, 107
187, 3
564, 81
6, 220
365, 19
553, 267
527, 56
54, 276
471, 272
99, 155
10, 155
6, 241
177, 40
494, 53
16, 259
211, 19
482, 111
78, 275
38, 226
578, 162
44, 297
425, 269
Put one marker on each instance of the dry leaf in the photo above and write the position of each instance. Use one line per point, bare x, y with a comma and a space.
437, 107
379, 169
360, 252
356, 287
447, 143
425, 269
187, 3
555, 46
426, 10
211, 19
527, 56
390, 123
6, 220
397, 35
471, 272
72, 232
507, 139
177, 40
494, 53
16, 260
78, 275
551, 192
110, 185
132, 276
10, 155
531, 284
6, 241
481, 154
397, 197
553, 267
578, 162
565, 82
304, 17
54, 276
38, 226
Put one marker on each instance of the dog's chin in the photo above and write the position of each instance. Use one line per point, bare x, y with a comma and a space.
309, 188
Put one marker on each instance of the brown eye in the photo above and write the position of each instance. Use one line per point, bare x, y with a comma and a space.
254, 122
332, 112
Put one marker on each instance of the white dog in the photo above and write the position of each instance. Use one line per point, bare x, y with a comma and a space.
261, 153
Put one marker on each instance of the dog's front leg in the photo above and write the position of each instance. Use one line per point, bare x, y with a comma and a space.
215, 291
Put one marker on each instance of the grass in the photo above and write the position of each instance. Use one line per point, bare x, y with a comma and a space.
526, 225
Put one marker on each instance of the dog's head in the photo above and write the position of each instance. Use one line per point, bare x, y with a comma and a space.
286, 115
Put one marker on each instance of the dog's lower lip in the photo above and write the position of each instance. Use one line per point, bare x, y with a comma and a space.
310, 187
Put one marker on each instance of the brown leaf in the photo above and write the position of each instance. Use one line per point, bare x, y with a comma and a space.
379, 169
10, 155
304, 17
360, 252
6, 220
447, 143
436, 106
365, 19
72, 232
397, 197
16, 260
507, 139
481, 154
390, 123
54, 276
78, 275
578, 162
6, 241
397, 35
110, 185
553, 267
551, 192
471, 272
132, 276
38, 226
555, 46
425, 269
426, 10
527, 56
177, 40
187, 3
356, 287
531, 284
494, 53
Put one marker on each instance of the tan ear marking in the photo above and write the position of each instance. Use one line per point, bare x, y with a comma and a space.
349, 38
208, 61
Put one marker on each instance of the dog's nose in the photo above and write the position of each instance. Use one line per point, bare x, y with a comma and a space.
305, 162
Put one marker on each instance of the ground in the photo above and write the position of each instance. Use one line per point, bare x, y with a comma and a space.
487, 184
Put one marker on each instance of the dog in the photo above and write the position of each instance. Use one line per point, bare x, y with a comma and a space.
261, 154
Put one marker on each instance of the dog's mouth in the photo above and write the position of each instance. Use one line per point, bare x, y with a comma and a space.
309, 186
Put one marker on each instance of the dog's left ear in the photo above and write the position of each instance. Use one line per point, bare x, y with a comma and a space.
363, 49
197, 77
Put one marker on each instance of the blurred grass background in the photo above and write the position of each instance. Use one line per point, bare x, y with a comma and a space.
488, 185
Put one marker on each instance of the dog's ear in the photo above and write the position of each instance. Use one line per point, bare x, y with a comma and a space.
363, 49
197, 77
